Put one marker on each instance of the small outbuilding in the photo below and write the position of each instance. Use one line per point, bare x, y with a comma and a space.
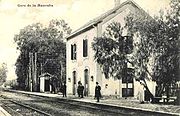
45, 82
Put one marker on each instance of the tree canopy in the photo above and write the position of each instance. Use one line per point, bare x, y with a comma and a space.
111, 50
155, 53
49, 44
159, 40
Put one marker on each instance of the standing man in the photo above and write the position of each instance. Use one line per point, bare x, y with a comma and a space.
81, 90
97, 91
141, 92
78, 88
64, 89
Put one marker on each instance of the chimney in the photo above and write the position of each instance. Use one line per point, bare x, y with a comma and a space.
117, 2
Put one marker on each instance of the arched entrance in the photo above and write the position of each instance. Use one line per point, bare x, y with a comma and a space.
86, 82
74, 75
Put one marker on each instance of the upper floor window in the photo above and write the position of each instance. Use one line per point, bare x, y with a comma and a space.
73, 52
85, 48
129, 76
128, 47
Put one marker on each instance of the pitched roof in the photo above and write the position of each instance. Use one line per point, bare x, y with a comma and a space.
46, 74
99, 19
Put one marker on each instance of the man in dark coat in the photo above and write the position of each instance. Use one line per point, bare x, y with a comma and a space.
64, 89
97, 91
78, 88
81, 90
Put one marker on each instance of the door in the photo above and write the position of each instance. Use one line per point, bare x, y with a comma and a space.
74, 82
86, 82
47, 85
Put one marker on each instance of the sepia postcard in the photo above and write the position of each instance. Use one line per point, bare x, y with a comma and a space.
89, 57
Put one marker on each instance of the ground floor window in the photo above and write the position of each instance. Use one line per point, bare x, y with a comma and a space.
127, 92
128, 84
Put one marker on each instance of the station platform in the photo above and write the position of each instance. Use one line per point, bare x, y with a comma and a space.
134, 104
3, 112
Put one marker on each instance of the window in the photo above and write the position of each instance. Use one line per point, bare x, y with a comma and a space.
129, 76
128, 44
85, 48
74, 77
86, 76
127, 92
127, 80
73, 52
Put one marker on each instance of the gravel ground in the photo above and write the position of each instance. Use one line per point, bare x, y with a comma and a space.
135, 104
55, 108
113, 101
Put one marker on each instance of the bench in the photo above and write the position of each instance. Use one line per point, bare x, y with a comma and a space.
165, 99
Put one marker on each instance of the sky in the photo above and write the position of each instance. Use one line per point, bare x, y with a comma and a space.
15, 15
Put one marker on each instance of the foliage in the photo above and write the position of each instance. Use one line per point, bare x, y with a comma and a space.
167, 65
112, 53
48, 42
159, 44
111, 50
22, 70
11, 83
155, 54
3, 73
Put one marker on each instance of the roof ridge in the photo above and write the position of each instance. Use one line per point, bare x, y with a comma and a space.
102, 16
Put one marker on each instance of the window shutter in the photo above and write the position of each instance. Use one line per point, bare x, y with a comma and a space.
71, 52
85, 48
75, 52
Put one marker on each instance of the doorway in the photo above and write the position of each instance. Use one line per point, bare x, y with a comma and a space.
86, 82
47, 85
74, 82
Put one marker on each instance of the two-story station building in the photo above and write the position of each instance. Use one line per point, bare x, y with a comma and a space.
81, 65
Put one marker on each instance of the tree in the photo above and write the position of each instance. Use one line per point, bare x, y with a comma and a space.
159, 40
3, 73
168, 58
11, 84
111, 51
22, 63
48, 42
142, 27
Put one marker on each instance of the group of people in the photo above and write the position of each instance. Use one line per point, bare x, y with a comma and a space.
80, 90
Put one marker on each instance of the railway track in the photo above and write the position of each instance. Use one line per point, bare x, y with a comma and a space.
68, 107
16, 108
112, 110
67, 103
83, 105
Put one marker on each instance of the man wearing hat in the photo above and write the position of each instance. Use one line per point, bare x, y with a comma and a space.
97, 91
